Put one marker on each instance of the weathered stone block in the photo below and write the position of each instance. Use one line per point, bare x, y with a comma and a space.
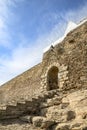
41, 122
27, 119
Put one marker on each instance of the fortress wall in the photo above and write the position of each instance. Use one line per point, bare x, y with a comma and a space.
24, 86
72, 55
75, 46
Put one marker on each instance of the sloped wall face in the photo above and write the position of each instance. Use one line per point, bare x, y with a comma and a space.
70, 57
23, 87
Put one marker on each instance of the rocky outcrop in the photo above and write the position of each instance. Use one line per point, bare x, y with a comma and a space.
53, 110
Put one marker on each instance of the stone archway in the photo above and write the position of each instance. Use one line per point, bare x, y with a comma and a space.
52, 78
60, 76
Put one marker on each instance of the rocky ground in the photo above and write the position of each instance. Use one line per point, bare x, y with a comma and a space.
56, 111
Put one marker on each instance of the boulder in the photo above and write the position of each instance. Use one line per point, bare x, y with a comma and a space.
41, 122
62, 127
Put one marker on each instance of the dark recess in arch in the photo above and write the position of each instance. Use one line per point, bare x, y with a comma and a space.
52, 78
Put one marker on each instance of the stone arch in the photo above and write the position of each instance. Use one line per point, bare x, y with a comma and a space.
44, 76
62, 75
52, 78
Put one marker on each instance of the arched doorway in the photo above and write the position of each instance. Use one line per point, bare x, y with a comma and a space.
52, 78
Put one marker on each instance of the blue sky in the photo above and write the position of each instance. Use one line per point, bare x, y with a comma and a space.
28, 26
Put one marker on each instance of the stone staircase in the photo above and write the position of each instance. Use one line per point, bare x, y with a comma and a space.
32, 107
49, 111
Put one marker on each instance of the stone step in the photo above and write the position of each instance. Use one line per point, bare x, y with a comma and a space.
53, 102
21, 106
36, 100
22, 102
2, 114
10, 112
13, 111
3, 107
57, 98
54, 91
31, 107
44, 105
28, 102
50, 103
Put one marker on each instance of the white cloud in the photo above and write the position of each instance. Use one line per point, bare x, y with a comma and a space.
4, 19
23, 57
6, 16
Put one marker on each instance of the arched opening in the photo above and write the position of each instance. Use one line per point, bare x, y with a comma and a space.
52, 78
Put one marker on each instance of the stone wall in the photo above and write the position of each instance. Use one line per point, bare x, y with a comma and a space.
70, 57
24, 86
